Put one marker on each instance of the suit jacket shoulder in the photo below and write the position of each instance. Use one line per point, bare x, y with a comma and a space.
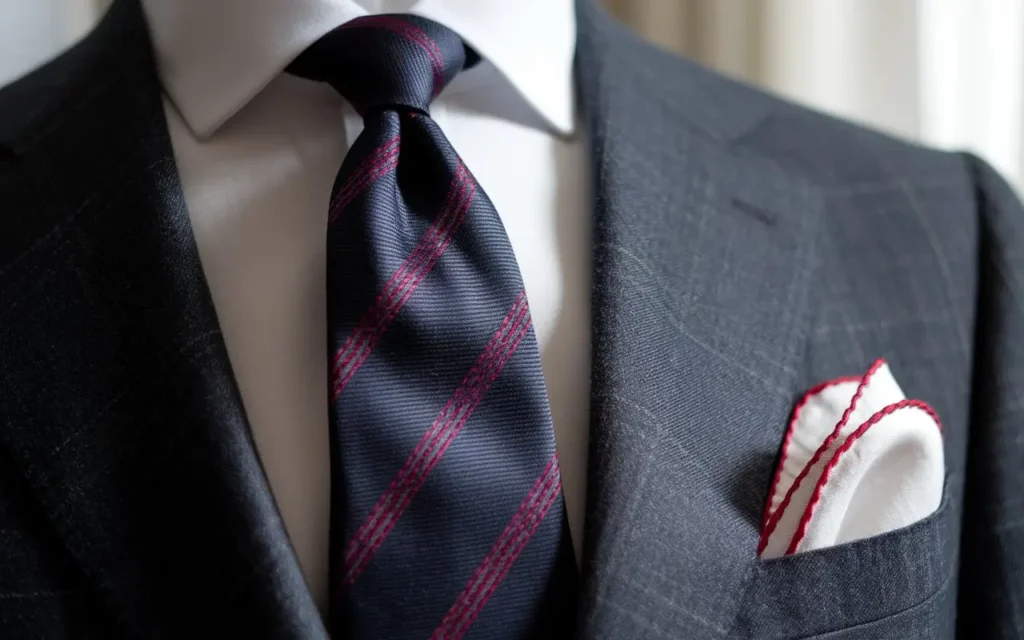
762, 242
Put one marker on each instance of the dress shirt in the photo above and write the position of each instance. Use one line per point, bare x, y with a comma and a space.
257, 152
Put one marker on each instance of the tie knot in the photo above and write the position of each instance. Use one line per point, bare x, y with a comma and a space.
385, 61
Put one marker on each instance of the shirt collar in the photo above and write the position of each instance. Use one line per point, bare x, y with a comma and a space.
214, 57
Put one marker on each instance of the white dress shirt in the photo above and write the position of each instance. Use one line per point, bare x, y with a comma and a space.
257, 153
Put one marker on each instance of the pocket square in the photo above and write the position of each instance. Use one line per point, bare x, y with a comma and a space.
858, 459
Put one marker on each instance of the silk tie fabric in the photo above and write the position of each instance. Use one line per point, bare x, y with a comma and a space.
447, 518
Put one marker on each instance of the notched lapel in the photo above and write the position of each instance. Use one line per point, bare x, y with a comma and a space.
117, 403
703, 253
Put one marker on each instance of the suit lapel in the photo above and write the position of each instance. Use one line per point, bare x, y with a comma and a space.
702, 259
117, 402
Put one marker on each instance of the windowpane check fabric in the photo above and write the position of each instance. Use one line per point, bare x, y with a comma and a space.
447, 511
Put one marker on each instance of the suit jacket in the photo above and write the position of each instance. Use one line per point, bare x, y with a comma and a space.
744, 249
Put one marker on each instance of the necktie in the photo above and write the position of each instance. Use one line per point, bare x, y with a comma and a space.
447, 518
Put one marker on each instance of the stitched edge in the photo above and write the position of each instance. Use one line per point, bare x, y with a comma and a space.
774, 520
787, 440
805, 519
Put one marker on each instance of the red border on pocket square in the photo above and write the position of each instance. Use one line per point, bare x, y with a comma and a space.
854, 404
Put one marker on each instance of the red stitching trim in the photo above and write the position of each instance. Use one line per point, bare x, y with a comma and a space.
396, 292
436, 440
774, 520
495, 566
358, 183
805, 519
789, 436
413, 33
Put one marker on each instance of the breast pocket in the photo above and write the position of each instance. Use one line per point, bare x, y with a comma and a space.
896, 585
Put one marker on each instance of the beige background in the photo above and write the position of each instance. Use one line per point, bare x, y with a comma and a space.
946, 72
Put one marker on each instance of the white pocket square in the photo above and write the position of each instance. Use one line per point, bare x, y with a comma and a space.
859, 459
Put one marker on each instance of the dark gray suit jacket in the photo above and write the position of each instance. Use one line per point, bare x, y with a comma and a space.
744, 249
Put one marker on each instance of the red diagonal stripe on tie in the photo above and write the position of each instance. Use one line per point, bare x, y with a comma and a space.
382, 160
413, 33
496, 565
403, 283
395, 23
432, 446
393, 296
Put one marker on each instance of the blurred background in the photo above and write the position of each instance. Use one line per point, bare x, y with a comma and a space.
948, 73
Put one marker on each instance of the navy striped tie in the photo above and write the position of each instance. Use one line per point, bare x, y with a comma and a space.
447, 518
